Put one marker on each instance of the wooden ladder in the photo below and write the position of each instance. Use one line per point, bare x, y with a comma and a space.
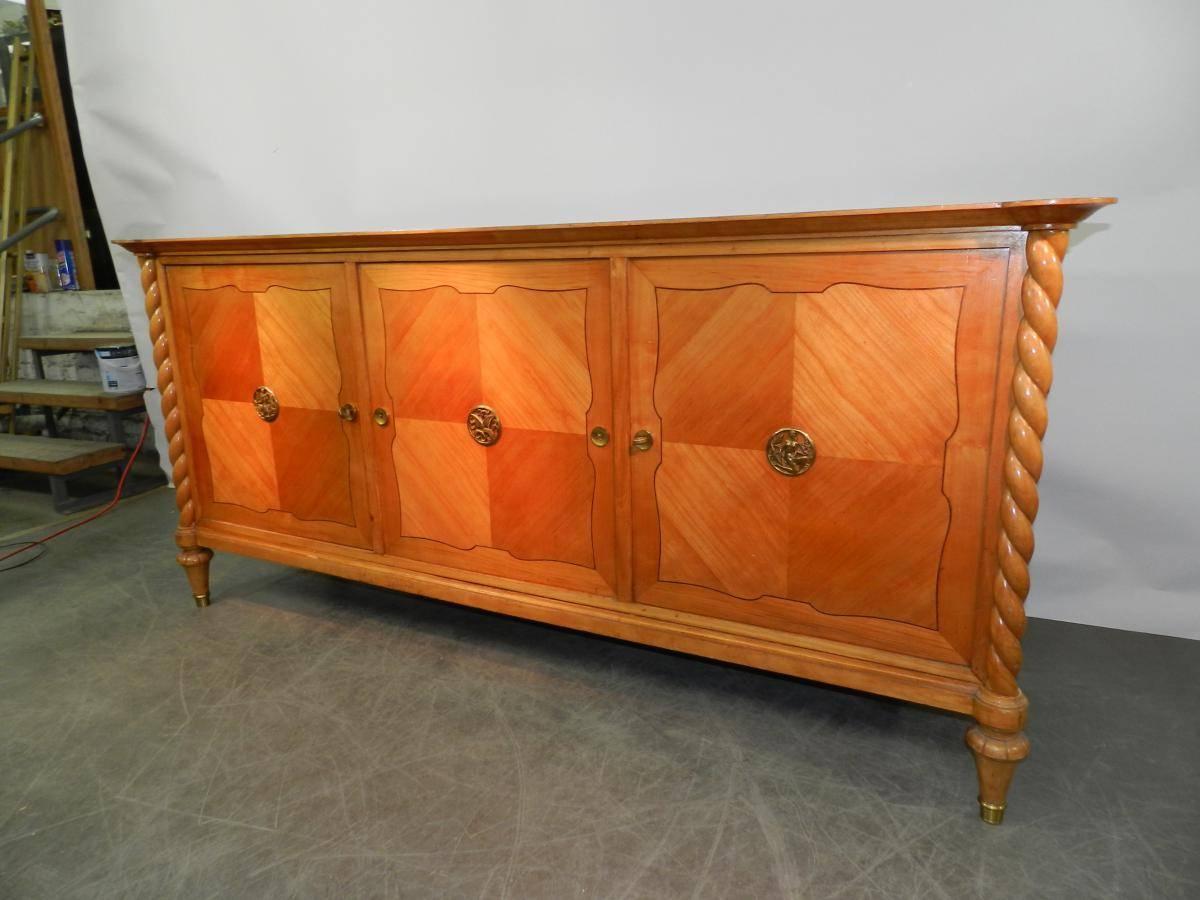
33, 70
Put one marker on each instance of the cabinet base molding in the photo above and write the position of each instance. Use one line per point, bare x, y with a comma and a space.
807, 443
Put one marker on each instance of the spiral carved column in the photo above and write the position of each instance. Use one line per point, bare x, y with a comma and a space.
997, 739
192, 557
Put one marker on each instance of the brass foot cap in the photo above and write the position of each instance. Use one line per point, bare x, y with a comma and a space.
992, 813
201, 600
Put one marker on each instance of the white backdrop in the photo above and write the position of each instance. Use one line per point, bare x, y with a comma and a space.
236, 117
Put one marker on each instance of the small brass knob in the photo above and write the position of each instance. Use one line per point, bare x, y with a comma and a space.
790, 452
380, 416
643, 440
599, 436
266, 404
348, 412
483, 425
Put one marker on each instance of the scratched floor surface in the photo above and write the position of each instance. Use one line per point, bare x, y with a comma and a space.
309, 737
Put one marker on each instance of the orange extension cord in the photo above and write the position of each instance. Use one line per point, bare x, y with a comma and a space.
41, 542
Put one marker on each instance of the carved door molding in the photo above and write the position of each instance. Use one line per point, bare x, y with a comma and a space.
493, 375
266, 356
822, 427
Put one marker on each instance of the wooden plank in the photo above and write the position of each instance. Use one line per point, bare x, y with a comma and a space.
56, 125
9, 314
68, 394
12, 264
77, 341
54, 456
1064, 212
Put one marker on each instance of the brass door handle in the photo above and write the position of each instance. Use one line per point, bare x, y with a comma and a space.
643, 440
599, 436
348, 412
380, 416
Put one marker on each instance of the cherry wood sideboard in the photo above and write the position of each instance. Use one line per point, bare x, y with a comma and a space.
808, 443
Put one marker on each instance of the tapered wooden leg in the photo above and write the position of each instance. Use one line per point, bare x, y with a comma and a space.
195, 561
998, 745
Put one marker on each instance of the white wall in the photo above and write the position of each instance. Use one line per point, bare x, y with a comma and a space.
232, 117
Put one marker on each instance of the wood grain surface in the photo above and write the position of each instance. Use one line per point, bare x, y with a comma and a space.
864, 354
290, 329
530, 341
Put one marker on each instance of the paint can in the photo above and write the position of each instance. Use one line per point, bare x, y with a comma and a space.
120, 369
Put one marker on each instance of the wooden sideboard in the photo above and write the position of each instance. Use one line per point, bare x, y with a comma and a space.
807, 443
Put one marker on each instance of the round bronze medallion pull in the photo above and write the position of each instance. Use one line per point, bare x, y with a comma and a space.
643, 440
266, 404
348, 412
790, 452
483, 425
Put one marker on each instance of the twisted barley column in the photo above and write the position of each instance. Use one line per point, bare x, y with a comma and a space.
193, 558
1036, 336
997, 739
166, 388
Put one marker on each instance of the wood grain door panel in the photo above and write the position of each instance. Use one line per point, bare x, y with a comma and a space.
293, 329
530, 340
888, 362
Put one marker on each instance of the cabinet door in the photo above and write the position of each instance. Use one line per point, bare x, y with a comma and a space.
267, 355
822, 425
492, 376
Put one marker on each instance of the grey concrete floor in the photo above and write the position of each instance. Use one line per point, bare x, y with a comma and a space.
310, 737
25, 501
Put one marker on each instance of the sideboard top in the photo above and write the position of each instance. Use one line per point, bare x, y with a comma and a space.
1063, 213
